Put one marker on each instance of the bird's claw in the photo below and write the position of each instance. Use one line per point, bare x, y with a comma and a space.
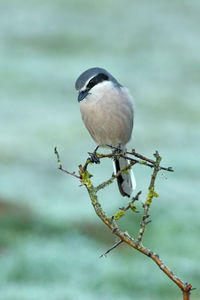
94, 158
116, 150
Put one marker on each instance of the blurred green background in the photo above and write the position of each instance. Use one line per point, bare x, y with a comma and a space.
50, 237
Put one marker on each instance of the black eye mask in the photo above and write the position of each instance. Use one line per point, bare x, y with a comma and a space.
97, 79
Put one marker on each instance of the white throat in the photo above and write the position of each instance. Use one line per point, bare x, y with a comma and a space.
98, 91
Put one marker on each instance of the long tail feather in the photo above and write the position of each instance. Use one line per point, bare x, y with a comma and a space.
126, 182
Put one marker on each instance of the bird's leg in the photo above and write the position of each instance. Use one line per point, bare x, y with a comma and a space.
93, 157
116, 150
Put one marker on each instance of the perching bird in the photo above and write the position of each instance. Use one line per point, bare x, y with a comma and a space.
107, 112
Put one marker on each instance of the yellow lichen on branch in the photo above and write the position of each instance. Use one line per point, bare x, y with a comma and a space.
151, 194
120, 213
85, 179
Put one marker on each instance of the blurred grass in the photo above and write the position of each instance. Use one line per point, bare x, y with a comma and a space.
50, 238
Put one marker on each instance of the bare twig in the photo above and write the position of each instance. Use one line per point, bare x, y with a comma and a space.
85, 178
114, 176
151, 194
111, 248
143, 160
169, 169
60, 165
142, 157
131, 204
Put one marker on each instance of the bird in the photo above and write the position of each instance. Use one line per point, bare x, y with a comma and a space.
107, 110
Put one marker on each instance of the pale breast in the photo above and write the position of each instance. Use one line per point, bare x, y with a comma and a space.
109, 119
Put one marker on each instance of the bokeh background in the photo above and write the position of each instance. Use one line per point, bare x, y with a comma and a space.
50, 237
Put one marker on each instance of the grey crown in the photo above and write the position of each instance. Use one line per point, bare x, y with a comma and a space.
90, 73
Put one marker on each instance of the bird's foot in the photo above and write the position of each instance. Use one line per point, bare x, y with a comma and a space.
116, 150
94, 157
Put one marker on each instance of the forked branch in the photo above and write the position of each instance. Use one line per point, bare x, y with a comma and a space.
134, 158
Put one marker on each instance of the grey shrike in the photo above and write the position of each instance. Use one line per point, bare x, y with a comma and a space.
107, 112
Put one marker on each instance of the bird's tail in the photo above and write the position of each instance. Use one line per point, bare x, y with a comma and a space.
126, 181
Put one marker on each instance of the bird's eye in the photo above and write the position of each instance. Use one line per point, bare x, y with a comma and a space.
97, 79
91, 83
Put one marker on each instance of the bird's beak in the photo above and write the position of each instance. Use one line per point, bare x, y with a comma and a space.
82, 95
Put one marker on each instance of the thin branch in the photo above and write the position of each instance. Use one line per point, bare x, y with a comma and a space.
144, 160
85, 178
151, 194
169, 169
127, 239
105, 183
142, 157
114, 176
131, 204
60, 165
113, 247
